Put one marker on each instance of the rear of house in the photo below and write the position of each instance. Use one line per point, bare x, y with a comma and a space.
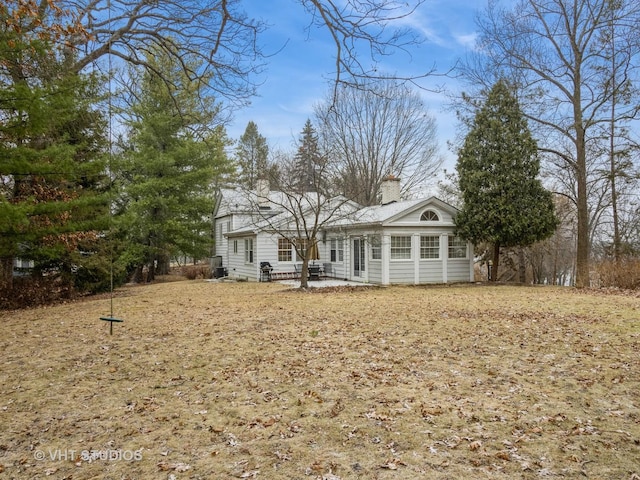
399, 242
410, 242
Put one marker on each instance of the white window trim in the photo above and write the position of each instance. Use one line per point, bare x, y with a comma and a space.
435, 212
466, 251
292, 252
339, 242
438, 249
411, 255
378, 239
249, 259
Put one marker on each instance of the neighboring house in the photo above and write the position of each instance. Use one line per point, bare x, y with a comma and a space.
398, 242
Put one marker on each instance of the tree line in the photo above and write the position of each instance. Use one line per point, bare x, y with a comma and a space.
113, 138
112, 131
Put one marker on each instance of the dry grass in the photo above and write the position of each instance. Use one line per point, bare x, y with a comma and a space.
214, 381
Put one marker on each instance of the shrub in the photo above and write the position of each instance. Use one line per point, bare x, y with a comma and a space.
624, 274
191, 272
34, 291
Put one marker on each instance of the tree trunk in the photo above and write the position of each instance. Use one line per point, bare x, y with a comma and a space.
555, 263
6, 273
582, 253
496, 262
164, 263
138, 276
151, 272
522, 266
304, 274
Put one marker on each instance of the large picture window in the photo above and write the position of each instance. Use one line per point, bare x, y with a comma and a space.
285, 250
457, 247
248, 250
429, 247
401, 247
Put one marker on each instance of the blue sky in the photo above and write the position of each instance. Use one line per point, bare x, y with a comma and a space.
297, 75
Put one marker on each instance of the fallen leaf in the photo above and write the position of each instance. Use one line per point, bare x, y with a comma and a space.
392, 464
251, 474
178, 467
476, 445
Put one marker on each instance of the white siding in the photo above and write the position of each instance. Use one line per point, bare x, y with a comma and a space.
431, 271
458, 270
221, 246
340, 269
401, 271
375, 271
238, 268
267, 250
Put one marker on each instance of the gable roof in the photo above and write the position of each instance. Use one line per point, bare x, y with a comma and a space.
282, 205
241, 201
385, 214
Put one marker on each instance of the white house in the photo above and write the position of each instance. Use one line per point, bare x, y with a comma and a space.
397, 242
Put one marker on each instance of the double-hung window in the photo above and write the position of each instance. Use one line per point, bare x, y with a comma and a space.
429, 247
337, 250
284, 250
248, 250
401, 247
457, 247
376, 248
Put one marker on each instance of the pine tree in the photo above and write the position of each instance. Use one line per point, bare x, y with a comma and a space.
308, 161
51, 144
251, 154
168, 170
504, 203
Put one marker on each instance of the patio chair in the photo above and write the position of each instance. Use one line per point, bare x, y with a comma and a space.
328, 270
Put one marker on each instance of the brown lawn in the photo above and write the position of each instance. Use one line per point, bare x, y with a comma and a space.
240, 380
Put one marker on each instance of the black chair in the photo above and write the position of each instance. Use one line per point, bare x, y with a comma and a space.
328, 270
314, 272
265, 271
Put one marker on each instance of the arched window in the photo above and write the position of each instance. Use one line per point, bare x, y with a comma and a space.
429, 216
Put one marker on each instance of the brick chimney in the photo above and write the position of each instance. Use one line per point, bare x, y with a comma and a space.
390, 189
262, 192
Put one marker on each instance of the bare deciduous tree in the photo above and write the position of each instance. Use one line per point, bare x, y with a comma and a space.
216, 35
358, 26
222, 38
552, 49
377, 130
298, 215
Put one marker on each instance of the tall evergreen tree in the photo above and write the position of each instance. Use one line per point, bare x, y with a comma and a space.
504, 203
251, 154
168, 170
51, 144
308, 160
